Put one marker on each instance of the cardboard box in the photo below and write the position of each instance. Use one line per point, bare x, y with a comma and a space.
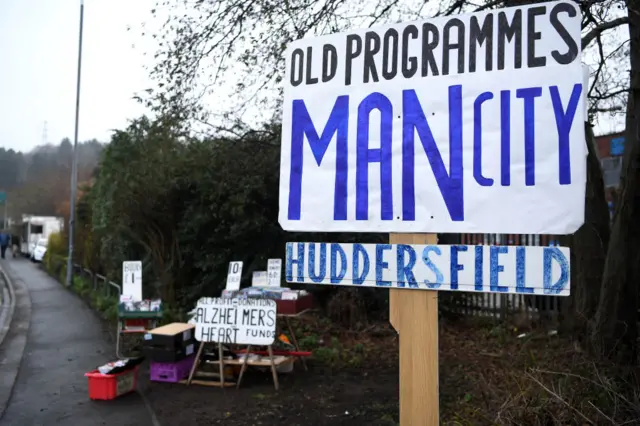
174, 335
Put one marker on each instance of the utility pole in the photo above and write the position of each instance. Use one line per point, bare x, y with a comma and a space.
74, 164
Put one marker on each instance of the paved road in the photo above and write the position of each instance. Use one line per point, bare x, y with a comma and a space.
62, 339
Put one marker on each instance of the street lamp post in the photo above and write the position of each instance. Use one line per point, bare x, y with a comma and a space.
74, 164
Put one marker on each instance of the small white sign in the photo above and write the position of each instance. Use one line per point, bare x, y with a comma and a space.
274, 272
234, 276
259, 279
235, 321
479, 269
132, 279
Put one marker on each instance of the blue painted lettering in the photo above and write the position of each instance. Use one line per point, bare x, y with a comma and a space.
564, 122
366, 155
381, 265
360, 275
337, 251
405, 269
455, 265
319, 277
477, 139
520, 271
528, 96
298, 261
478, 271
495, 268
450, 184
551, 254
432, 266
301, 126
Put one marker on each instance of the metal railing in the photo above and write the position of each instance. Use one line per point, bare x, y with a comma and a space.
99, 282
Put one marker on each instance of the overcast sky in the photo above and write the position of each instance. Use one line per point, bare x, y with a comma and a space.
38, 51
38, 57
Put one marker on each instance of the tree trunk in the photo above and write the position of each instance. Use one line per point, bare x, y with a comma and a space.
588, 250
615, 329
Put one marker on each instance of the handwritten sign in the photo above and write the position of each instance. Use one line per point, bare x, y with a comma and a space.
259, 279
132, 279
234, 276
235, 321
483, 269
274, 272
454, 124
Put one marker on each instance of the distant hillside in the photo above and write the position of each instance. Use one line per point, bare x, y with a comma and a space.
38, 182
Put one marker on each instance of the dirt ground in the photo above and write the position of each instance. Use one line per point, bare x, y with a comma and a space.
488, 375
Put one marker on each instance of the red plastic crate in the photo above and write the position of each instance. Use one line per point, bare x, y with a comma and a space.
110, 386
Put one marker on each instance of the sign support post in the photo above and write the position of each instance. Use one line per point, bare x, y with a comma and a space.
414, 315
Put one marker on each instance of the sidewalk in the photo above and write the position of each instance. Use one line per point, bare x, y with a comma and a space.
64, 340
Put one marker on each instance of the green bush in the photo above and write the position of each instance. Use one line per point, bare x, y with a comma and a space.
57, 245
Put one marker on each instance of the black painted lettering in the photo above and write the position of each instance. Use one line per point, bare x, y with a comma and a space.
297, 61
212, 317
245, 316
271, 317
430, 40
508, 31
206, 334
329, 62
354, 49
450, 43
479, 35
371, 48
409, 63
390, 54
572, 45
309, 78
534, 61
222, 334
199, 317
261, 315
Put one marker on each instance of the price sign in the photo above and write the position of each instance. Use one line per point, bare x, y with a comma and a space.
132, 279
234, 275
274, 272
259, 279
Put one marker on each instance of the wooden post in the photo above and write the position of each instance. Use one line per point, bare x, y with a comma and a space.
414, 315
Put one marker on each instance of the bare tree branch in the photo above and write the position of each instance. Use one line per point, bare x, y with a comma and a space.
599, 29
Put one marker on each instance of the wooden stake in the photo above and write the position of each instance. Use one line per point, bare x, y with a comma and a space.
414, 315
196, 363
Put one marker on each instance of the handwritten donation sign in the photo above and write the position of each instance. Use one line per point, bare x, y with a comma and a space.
485, 269
462, 124
235, 321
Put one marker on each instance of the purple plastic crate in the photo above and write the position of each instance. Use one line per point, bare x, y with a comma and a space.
171, 372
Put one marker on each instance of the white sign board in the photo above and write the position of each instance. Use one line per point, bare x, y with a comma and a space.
235, 321
259, 279
463, 124
132, 279
274, 272
480, 269
234, 276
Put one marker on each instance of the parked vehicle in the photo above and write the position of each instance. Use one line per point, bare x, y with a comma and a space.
35, 228
40, 250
